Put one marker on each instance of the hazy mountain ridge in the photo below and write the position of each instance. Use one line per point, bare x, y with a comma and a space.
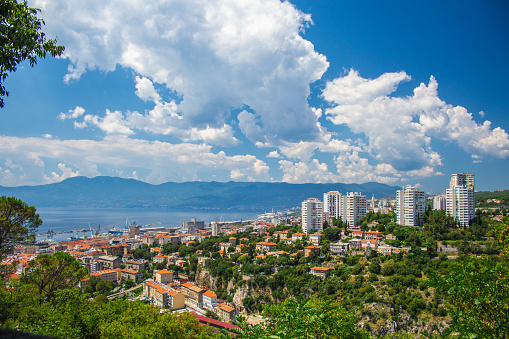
118, 192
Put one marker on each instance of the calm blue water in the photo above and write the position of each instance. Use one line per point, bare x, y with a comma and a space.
67, 219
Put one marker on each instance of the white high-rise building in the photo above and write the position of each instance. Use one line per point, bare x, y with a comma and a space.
312, 215
461, 179
332, 205
439, 202
410, 206
354, 207
460, 198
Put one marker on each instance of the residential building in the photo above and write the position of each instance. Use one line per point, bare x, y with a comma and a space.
384, 250
321, 272
369, 244
311, 249
338, 247
193, 294
460, 204
209, 300
332, 205
128, 273
410, 206
460, 198
461, 179
136, 265
315, 238
312, 215
225, 312
163, 276
109, 262
439, 202
265, 246
355, 207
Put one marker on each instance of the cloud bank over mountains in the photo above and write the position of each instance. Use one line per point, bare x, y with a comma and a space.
226, 80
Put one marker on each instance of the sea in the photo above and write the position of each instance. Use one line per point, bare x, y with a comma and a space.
71, 219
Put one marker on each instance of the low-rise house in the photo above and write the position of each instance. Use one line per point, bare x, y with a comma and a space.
298, 236
358, 234
265, 246
109, 262
163, 276
176, 300
373, 235
321, 272
193, 294
354, 244
391, 237
339, 247
136, 265
209, 300
311, 249
110, 275
225, 312
283, 235
160, 258
369, 244
384, 250
315, 239
128, 273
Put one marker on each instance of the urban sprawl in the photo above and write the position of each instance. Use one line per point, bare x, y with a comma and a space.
109, 256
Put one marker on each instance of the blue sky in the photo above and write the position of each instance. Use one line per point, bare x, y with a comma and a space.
396, 92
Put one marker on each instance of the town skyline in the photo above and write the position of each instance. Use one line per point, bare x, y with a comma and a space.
265, 91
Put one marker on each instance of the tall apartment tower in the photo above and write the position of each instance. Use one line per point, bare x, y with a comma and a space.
439, 202
312, 215
214, 225
354, 207
460, 198
410, 206
332, 205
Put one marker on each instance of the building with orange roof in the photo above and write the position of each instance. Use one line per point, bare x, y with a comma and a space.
159, 258
193, 294
225, 312
163, 276
311, 249
136, 264
265, 246
369, 244
322, 272
209, 300
110, 275
129, 273
298, 236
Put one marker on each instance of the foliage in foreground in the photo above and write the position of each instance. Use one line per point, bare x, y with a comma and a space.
21, 39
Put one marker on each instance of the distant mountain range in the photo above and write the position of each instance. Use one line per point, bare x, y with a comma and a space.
118, 192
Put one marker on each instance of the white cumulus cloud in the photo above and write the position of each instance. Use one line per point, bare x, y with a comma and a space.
216, 55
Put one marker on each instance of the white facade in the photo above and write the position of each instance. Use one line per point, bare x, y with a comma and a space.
214, 228
355, 207
439, 202
312, 215
410, 206
332, 204
460, 204
460, 198
461, 179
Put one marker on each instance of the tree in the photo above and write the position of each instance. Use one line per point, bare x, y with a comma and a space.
56, 271
21, 39
311, 318
478, 292
18, 223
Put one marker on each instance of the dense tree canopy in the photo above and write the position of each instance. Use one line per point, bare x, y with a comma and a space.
18, 223
21, 39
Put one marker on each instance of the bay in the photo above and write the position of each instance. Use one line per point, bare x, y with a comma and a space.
68, 219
